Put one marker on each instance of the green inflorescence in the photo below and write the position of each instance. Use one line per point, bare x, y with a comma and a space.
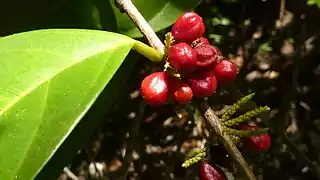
229, 123
236, 135
235, 107
245, 117
168, 42
194, 156
235, 139
246, 133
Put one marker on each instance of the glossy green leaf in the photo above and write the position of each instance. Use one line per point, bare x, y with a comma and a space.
160, 14
50, 78
313, 2
104, 107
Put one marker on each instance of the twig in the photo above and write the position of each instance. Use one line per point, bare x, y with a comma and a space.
123, 172
264, 116
281, 13
291, 96
141, 23
216, 127
214, 122
70, 174
314, 168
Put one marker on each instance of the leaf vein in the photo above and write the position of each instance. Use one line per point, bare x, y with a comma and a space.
31, 139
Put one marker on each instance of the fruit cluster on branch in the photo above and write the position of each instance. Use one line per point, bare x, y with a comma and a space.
193, 67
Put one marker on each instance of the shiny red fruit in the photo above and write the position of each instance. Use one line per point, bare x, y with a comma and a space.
200, 41
225, 71
257, 143
180, 91
182, 57
188, 27
207, 55
203, 84
208, 172
154, 88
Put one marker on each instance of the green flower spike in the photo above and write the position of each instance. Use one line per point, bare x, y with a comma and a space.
194, 156
246, 133
235, 139
245, 117
236, 106
168, 41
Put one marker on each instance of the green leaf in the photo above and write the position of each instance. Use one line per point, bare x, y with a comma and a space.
313, 2
50, 78
89, 14
160, 14
265, 47
120, 86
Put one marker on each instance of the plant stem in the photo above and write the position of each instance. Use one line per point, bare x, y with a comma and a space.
214, 122
217, 128
148, 51
70, 174
134, 131
264, 116
141, 23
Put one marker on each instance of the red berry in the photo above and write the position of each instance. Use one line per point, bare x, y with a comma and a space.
206, 55
154, 88
257, 143
225, 71
188, 27
182, 57
180, 91
203, 84
200, 41
207, 172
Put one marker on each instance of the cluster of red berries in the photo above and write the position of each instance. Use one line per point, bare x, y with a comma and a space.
200, 65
